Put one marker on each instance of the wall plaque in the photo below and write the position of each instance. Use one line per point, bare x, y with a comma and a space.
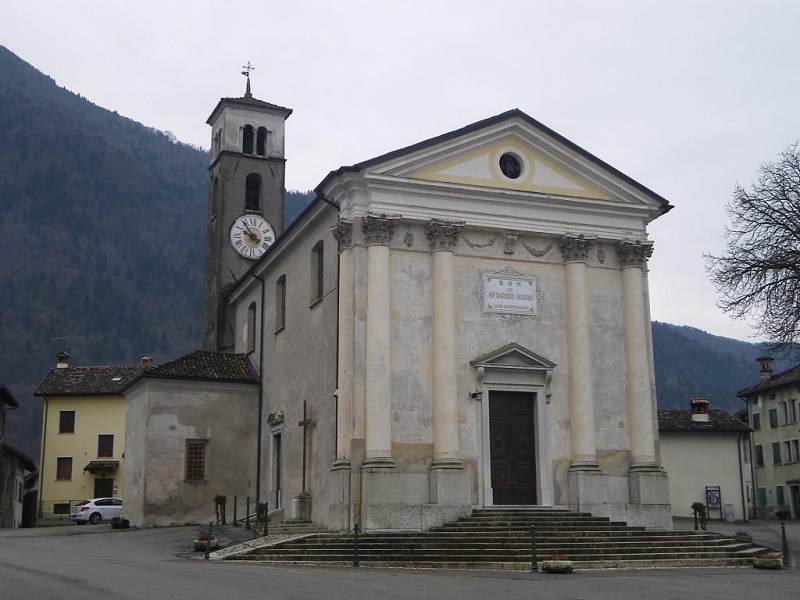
508, 294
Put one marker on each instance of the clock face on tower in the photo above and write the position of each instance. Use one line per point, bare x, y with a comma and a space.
251, 235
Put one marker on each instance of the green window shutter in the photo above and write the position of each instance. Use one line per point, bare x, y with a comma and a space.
756, 421
773, 417
762, 496
776, 453
779, 495
759, 456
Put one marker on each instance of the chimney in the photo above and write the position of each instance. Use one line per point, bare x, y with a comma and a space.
146, 360
699, 410
765, 367
62, 360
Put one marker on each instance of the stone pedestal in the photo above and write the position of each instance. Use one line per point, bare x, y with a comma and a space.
300, 509
649, 486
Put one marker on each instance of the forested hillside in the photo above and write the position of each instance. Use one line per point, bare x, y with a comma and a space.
103, 231
102, 222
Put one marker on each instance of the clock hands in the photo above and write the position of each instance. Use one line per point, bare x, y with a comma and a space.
253, 237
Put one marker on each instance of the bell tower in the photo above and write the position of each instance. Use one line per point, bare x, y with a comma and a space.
245, 198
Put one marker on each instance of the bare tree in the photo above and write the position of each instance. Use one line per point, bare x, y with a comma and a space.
758, 277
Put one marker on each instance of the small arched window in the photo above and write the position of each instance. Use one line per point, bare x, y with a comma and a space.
317, 271
215, 198
280, 303
251, 327
247, 139
252, 192
261, 141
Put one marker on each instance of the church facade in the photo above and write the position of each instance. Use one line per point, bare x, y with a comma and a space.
463, 322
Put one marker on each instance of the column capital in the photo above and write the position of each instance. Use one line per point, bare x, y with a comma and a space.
575, 248
634, 254
378, 229
343, 234
443, 235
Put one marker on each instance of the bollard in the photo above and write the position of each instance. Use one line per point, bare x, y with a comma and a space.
235, 501
534, 564
247, 515
784, 544
208, 541
356, 560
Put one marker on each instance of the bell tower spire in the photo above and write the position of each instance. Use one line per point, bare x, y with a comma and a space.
245, 198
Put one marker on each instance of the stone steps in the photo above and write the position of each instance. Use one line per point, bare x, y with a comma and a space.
500, 539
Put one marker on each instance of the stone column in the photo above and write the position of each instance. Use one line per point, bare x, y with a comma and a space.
633, 260
343, 233
378, 231
575, 250
443, 236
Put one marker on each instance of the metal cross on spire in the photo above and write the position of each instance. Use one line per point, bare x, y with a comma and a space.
246, 72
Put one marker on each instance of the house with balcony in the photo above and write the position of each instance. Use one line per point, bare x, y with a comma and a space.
772, 410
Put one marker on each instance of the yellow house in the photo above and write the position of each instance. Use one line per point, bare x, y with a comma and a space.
83, 433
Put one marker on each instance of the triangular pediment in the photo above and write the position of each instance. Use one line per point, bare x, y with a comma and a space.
513, 356
480, 166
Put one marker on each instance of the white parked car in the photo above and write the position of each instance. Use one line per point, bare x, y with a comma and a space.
95, 510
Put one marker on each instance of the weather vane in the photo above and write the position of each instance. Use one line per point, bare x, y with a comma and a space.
247, 68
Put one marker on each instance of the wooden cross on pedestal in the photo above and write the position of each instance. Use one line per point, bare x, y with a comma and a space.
304, 424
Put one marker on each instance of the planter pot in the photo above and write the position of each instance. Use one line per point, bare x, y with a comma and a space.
768, 562
557, 566
212, 544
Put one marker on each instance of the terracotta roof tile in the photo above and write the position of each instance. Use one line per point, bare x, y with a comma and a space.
784, 377
87, 381
207, 366
720, 421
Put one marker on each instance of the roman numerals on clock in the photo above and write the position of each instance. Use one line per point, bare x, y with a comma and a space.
251, 236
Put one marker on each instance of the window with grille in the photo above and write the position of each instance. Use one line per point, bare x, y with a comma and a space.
64, 468
196, 460
66, 421
105, 445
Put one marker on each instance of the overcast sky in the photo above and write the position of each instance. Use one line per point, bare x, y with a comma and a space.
686, 97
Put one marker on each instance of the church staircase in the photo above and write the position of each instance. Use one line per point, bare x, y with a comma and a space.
500, 539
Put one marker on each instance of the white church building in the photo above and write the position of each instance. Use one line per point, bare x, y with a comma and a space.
460, 323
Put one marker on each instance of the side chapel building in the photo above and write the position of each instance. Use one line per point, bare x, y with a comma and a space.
463, 322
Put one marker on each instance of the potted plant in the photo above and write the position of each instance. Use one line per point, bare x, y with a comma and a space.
743, 536
557, 563
768, 560
202, 542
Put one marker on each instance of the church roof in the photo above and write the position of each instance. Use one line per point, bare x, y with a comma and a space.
87, 381
779, 379
491, 121
247, 102
207, 366
719, 421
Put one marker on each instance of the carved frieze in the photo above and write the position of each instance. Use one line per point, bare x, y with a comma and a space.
575, 247
443, 235
378, 229
511, 242
343, 234
634, 254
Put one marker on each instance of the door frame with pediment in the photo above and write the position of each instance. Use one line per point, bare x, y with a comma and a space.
513, 368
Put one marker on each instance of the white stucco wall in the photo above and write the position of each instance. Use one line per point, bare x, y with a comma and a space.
697, 460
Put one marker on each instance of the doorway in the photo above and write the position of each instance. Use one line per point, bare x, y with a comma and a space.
795, 491
103, 487
512, 448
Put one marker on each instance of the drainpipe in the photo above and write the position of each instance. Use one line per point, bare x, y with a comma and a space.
260, 342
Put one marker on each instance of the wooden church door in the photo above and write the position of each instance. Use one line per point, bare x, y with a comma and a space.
513, 464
